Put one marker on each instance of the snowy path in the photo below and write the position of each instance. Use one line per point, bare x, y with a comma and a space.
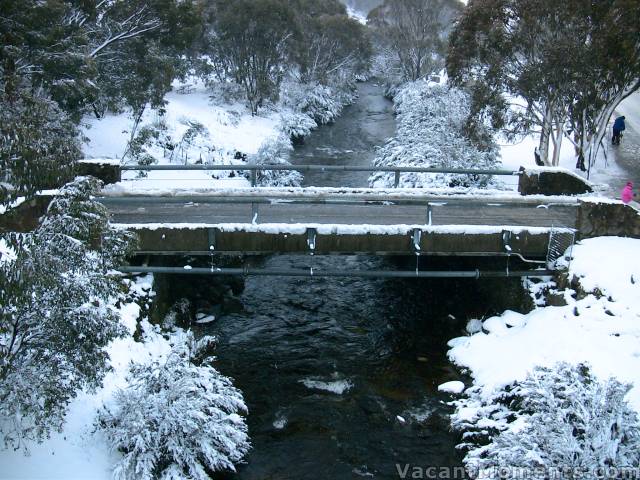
627, 154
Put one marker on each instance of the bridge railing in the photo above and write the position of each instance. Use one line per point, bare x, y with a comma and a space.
254, 169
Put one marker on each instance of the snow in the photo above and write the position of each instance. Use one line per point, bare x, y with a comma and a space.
357, 15
330, 229
606, 176
435, 195
601, 330
230, 127
204, 319
452, 387
16, 203
78, 452
7, 253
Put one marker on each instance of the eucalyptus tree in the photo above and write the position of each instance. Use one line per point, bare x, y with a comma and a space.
331, 44
560, 63
55, 313
252, 42
61, 59
415, 32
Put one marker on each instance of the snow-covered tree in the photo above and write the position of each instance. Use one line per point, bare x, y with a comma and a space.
178, 418
61, 59
38, 145
331, 44
413, 34
569, 64
433, 131
275, 151
55, 316
560, 420
252, 42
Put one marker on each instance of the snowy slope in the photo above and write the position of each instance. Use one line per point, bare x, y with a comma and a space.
601, 329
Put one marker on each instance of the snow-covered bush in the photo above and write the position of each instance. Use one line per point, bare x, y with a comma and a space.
178, 418
432, 123
274, 151
557, 418
297, 125
55, 318
322, 103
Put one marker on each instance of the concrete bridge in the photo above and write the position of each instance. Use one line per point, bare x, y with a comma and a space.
533, 226
325, 222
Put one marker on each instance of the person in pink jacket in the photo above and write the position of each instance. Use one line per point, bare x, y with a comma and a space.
627, 193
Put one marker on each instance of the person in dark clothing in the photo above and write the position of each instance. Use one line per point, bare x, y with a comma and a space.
618, 128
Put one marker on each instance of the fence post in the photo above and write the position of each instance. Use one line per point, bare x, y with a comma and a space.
397, 179
254, 178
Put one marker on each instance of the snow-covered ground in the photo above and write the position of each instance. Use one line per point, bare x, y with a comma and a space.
79, 452
602, 329
199, 127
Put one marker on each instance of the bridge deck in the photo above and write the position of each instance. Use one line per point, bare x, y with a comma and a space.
344, 213
344, 224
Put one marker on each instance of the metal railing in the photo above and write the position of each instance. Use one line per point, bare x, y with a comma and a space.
254, 169
323, 273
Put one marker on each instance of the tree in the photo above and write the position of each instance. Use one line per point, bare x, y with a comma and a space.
562, 59
177, 418
252, 42
433, 132
55, 318
560, 422
330, 44
38, 146
60, 58
608, 66
415, 32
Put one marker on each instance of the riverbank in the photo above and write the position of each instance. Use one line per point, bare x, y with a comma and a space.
588, 316
202, 124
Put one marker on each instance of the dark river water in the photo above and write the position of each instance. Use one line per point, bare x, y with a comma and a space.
341, 375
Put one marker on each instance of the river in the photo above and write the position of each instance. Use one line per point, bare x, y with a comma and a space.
341, 375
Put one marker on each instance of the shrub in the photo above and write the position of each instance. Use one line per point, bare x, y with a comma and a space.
178, 418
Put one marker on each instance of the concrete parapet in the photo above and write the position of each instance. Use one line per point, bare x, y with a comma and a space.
597, 218
552, 181
108, 170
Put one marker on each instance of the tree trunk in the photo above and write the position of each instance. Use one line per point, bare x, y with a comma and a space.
557, 146
544, 143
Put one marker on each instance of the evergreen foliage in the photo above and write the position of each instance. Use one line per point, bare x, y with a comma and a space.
62, 59
252, 42
55, 318
38, 145
178, 418
571, 63
559, 422
433, 132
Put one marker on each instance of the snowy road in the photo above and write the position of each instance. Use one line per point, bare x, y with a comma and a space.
468, 213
